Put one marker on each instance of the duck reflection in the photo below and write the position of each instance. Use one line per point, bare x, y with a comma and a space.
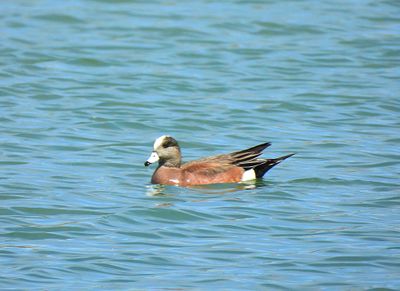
210, 189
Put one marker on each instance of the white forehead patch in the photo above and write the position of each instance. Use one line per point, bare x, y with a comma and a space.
159, 141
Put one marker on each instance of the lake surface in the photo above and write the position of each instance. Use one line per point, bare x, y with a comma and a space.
86, 87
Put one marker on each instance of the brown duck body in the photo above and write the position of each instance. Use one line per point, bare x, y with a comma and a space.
227, 168
197, 173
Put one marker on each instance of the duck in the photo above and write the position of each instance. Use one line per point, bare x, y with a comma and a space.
235, 167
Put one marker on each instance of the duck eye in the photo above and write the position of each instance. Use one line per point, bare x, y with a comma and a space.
169, 142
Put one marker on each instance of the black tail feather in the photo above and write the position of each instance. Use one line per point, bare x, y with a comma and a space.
253, 150
249, 154
268, 164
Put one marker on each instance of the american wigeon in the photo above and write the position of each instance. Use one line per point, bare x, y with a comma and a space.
227, 168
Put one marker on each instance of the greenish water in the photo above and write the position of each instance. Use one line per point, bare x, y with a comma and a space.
86, 87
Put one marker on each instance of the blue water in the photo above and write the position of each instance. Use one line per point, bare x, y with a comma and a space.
87, 85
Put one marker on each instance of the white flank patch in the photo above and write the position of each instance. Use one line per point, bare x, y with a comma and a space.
153, 158
176, 181
249, 175
159, 142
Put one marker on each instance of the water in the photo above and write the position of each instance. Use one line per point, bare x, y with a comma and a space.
86, 86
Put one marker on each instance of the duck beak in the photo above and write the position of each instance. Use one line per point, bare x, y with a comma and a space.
152, 159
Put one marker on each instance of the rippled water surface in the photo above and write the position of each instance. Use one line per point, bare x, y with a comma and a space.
86, 87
